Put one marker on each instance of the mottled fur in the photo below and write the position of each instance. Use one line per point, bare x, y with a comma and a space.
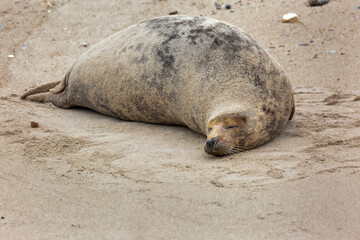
180, 70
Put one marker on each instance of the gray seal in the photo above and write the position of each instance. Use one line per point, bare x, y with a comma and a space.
198, 72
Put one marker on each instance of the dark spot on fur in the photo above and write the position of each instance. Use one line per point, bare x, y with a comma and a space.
257, 76
166, 59
273, 127
268, 110
192, 39
201, 30
257, 81
200, 33
143, 59
139, 46
165, 51
216, 43
235, 43
271, 112
188, 22
275, 95
172, 37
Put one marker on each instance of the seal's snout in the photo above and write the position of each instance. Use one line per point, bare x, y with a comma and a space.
212, 146
211, 143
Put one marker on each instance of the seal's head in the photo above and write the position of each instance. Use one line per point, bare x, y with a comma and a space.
225, 135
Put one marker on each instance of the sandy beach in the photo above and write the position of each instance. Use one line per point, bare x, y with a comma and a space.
83, 175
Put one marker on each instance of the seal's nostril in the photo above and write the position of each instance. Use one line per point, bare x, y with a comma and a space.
210, 143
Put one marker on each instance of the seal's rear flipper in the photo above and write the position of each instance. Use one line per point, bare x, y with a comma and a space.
60, 87
40, 97
44, 88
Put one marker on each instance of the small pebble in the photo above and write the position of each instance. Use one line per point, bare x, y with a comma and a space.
217, 5
290, 18
173, 12
2, 26
318, 2
311, 41
332, 51
227, 6
24, 47
2, 217
11, 56
303, 44
34, 124
84, 44
358, 7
